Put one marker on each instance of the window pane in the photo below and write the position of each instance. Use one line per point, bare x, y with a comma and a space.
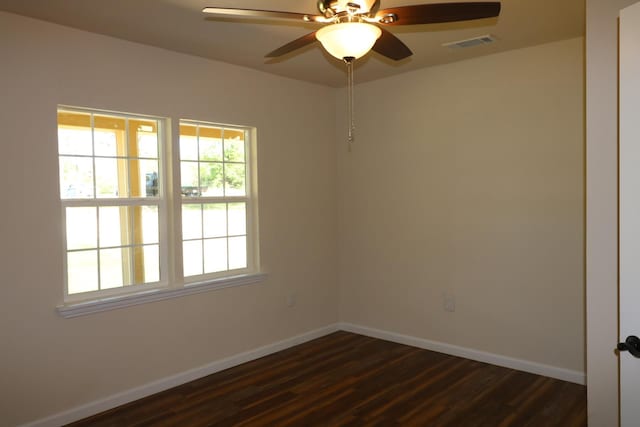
215, 255
211, 179
215, 220
146, 264
211, 132
191, 221
106, 177
82, 271
144, 221
188, 143
237, 219
82, 228
233, 134
210, 149
234, 179
68, 123
76, 177
144, 225
105, 143
147, 137
141, 172
138, 265
192, 257
148, 145
74, 141
150, 225
111, 267
109, 123
233, 148
151, 184
189, 178
237, 252
111, 224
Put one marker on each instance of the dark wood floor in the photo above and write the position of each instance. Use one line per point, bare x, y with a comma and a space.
345, 379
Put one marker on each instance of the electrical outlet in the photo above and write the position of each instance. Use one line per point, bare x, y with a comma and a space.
449, 302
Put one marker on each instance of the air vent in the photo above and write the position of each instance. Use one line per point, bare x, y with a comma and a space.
476, 41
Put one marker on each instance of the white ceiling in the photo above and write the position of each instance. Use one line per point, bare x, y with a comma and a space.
181, 26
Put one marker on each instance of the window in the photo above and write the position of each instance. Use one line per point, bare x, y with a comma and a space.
215, 200
118, 205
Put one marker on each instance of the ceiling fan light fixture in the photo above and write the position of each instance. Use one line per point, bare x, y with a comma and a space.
348, 39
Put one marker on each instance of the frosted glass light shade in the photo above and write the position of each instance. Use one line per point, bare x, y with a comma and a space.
348, 39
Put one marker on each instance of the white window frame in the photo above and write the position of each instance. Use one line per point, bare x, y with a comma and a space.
249, 199
172, 282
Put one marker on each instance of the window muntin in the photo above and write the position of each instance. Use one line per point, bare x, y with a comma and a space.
215, 200
111, 210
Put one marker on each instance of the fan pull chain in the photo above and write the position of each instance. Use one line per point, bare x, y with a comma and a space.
351, 105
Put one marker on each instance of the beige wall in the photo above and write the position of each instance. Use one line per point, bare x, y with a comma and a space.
475, 187
49, 364
468, 178
602, 213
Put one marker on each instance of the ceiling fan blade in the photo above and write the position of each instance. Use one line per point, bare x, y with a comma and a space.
294, 45
438, 12
392, 47
256, 13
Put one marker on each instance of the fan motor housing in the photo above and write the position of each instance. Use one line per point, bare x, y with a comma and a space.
330, 8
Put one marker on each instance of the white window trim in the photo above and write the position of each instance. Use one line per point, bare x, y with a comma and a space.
112, 303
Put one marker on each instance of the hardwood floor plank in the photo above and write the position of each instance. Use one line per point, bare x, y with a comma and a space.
345, 379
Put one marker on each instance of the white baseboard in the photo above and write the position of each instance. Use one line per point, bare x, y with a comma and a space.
127, 396
468, 353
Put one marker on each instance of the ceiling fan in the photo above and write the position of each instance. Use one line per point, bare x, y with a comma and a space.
354, 27
356, 40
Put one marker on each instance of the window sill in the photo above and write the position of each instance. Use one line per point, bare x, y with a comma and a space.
89, 307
